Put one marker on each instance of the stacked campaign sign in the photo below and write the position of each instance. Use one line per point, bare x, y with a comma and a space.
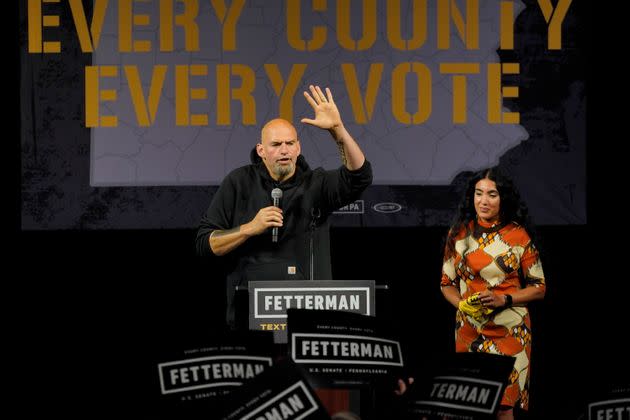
341, 349
610, 402
465, 386
282, 392
193, 380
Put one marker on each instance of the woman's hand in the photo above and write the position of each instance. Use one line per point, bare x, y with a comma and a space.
492, 300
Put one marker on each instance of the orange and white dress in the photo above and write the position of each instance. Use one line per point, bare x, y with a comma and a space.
491, 257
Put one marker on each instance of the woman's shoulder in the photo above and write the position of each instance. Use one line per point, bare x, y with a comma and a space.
515, 233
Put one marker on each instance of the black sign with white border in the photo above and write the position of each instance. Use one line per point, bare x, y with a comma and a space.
609, 402
269, 301
282, 392
199, 376
618, 409
340, 349
462, 386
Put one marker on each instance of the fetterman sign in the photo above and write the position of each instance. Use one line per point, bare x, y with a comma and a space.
270, 300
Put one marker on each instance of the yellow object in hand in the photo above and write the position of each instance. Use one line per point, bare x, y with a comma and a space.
472, 306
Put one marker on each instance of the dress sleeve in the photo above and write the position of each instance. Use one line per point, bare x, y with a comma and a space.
532, 267
449, 277
449, 272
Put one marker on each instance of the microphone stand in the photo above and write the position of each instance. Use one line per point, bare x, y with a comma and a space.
315, 213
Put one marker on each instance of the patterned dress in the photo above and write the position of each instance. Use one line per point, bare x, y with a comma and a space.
489, 257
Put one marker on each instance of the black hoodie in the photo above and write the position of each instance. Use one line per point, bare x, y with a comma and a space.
309, 197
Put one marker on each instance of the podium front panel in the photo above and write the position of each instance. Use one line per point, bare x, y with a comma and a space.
269, 301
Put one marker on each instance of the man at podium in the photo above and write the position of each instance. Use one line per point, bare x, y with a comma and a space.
269, 219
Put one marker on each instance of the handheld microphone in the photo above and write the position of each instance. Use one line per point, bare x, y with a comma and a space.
276, 195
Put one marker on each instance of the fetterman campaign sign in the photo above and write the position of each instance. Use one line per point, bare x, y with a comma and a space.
281, 392
608, 402
270, 300
343, 349
464, 386
193, 379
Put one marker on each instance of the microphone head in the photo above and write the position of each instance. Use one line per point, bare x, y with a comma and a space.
276, 193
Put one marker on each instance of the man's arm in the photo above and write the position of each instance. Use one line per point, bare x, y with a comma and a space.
327, 117
224, 241
216, 236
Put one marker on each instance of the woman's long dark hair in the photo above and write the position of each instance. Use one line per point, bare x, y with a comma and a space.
511, 207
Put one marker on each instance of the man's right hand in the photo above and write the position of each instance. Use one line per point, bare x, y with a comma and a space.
265, 218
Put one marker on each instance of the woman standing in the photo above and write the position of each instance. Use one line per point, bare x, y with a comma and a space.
491, 271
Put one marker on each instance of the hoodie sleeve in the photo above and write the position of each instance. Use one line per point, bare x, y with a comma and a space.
219, 216
342, 186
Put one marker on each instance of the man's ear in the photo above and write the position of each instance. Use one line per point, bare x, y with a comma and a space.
299, 148
260, 150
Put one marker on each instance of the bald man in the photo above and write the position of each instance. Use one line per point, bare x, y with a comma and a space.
241, 216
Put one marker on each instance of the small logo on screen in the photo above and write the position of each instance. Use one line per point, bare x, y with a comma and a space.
356, 207
387, 207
